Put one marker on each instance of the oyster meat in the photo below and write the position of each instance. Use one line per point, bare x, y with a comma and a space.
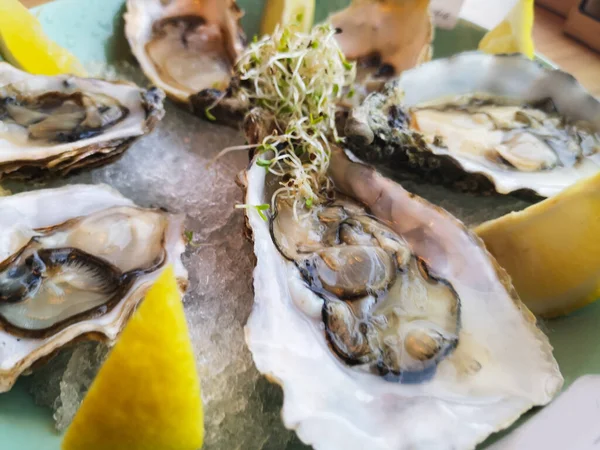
76, 272
185, 46
482, 122
383, 309
385, 321
54, 125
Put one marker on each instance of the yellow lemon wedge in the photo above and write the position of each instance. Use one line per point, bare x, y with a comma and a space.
146, 396
552, 249
514, 33
296, 14
24, 44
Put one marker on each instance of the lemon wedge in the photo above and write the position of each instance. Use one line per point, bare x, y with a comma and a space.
147, 394
296, 14
551, 249
514, 33
24, 44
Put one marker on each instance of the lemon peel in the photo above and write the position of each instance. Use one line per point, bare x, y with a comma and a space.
297, 14
24, 44
147, 393
514, 33
551, 250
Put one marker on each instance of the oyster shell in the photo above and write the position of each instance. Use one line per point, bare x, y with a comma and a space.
185, 46
76, 272
54, 125
384, 37
482, 122
464, 356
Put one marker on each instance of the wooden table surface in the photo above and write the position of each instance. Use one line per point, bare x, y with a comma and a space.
579, 60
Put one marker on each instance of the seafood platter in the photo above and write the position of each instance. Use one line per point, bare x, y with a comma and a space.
382, 234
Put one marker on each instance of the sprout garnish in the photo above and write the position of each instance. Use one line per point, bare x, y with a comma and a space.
296, 79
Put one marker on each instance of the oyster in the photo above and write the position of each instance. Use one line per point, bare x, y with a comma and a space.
54, 125
383, 309
185, 46
386, 322
363, 35
76, 272
384, 37
482, 122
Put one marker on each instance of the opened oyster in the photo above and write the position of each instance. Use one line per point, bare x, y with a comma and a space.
383, 309
76, 272
482, 122
54, 125
185, 46
384, 37
386, 321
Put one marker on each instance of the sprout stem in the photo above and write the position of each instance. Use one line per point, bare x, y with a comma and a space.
297, 80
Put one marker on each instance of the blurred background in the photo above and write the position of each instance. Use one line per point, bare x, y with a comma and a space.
566, 32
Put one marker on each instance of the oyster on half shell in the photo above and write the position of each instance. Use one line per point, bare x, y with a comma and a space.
384, 37
386, 322
482, 122
58, 124
185, 46
75, 272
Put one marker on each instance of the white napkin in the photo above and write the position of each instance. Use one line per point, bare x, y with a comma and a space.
486, 13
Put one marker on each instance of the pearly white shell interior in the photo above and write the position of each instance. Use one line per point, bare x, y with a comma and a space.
512, 76
128, 95
503, 364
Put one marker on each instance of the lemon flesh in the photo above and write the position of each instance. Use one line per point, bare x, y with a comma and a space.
147, 393
24, 44
296, 14
513, 34
551, 249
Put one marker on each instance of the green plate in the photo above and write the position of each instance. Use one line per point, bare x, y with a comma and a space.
93, 31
